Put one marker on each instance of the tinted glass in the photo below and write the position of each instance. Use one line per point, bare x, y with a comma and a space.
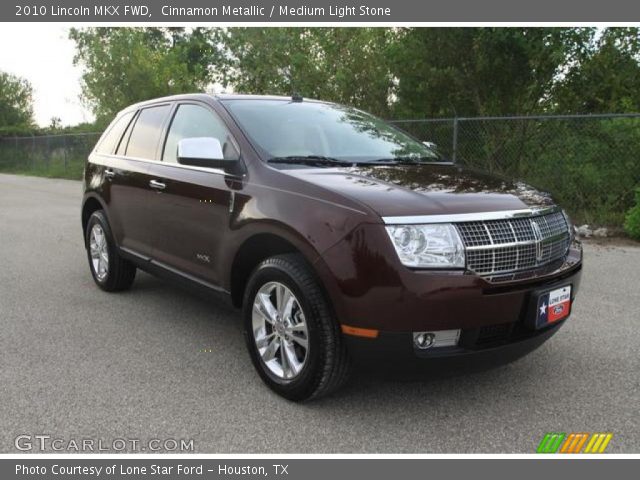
284, 129
122, 146
146, 132
194, 121
114, 133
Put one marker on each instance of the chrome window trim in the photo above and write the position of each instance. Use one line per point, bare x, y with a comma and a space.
470, 217
217, 171
172, 114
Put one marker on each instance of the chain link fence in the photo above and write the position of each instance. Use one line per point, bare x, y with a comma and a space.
47, 155
590, 163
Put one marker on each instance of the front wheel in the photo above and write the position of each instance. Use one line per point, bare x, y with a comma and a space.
292, 336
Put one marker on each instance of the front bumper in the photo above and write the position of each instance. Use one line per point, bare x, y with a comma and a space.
478, 349
369, 288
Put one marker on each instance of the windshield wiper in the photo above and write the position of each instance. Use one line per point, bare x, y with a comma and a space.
404, 160
394, 161
308, 160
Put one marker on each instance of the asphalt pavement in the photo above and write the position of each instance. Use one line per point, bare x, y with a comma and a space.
160, 362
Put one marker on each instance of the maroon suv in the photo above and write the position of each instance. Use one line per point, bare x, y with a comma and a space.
341, 237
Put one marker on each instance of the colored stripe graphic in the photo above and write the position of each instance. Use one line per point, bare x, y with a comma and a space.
551, 442
598, 443
569, 443
574, 443
582, 441
554, 442
605, 443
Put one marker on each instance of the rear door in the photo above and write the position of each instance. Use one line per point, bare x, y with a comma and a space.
191, 210
131, 194
105, 173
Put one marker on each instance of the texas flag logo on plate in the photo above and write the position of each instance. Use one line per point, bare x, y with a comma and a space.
554, 305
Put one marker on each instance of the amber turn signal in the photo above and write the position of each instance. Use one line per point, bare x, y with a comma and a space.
359, 332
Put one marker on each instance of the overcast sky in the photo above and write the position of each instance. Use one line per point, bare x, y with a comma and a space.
44, 55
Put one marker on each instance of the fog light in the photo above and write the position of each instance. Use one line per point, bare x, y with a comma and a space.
423, 339
439, 338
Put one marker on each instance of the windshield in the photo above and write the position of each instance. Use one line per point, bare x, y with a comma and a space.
289, 130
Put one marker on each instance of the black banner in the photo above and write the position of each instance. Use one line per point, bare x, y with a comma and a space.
317, 469
296, 11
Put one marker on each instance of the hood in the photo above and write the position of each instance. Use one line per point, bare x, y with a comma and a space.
430, 189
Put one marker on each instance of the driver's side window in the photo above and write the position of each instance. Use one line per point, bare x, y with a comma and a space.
193, 121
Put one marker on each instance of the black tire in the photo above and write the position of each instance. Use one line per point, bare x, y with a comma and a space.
120, 272
327, 365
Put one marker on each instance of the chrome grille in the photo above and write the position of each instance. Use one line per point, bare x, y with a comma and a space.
496, 247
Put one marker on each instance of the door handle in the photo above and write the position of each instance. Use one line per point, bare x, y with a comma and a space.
157, 185
109, 173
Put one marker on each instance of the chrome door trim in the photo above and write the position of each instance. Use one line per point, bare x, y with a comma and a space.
139, 256
187, 276
143, 259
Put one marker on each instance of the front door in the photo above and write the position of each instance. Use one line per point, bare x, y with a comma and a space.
190, 212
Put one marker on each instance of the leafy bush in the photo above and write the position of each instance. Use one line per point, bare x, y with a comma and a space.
632, 220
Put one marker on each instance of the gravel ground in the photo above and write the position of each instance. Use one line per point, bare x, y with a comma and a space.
159, 362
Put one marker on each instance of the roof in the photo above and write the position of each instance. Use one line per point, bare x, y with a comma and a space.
242, 96
205, 96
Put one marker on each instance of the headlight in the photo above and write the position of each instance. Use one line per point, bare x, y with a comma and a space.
428, 246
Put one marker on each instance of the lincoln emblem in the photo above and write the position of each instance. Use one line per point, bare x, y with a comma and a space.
537, 233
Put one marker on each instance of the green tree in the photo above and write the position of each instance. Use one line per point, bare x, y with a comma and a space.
127, 65
480, 71
346, 65
16, 102
604, 78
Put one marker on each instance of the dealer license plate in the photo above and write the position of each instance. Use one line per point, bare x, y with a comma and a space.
553, 306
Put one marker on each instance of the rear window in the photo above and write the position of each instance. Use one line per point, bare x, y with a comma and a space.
145, 136
109, 141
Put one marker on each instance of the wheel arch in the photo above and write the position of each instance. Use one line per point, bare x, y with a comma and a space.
90, 204
258, 240
253, 250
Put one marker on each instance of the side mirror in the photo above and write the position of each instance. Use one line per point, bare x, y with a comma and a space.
203, 152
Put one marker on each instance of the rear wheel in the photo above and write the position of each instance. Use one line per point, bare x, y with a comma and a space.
292, 336
110, 271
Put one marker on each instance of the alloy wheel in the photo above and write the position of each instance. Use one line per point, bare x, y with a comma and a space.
280, 330
99, 252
